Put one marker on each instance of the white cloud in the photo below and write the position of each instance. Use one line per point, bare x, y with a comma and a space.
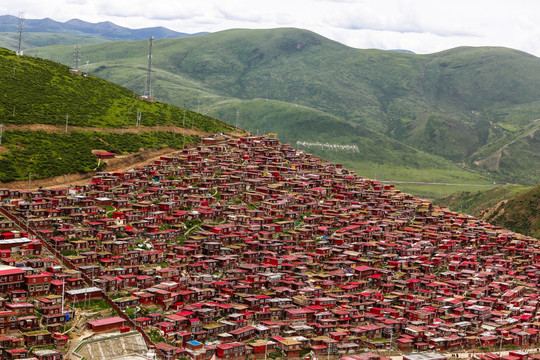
422, 26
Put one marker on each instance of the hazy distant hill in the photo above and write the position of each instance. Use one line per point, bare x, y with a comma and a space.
43, 32
105, 30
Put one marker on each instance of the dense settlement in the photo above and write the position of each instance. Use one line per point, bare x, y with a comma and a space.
245, 247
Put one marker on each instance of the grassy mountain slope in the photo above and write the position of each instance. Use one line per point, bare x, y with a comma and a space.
479, 203
281, 64
34, 40
37, 91
448, 104
375, 155
521, 213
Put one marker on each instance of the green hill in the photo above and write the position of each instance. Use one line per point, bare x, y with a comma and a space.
521, 213
369, 153
512, 207
473, 106
479, 203
10, 40
78, 114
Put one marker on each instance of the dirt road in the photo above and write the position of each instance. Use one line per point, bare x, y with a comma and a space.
120, 163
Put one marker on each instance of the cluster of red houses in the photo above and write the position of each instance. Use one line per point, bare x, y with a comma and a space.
253, 247
26, 318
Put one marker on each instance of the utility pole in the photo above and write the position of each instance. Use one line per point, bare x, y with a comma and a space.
20, 30
328, 352
63, 282
1, 128
67, 118
29, 176
139, 116
77, 55
390, 346
237, 113
148, 87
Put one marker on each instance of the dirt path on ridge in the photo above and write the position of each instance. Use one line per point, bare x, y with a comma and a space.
119, 163
60, 129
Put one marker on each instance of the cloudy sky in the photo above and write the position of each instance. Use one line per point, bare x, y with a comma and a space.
422, 26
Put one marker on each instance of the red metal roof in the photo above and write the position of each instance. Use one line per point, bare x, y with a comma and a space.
107, 321
11, 272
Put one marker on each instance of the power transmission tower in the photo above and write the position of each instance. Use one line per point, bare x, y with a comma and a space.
148, 87
20, 30
77, 55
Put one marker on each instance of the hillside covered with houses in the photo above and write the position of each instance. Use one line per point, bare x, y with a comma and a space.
245, 248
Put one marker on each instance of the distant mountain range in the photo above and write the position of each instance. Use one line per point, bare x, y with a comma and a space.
103, 30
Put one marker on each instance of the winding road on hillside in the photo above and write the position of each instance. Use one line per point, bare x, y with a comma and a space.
494, 159
434, 183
